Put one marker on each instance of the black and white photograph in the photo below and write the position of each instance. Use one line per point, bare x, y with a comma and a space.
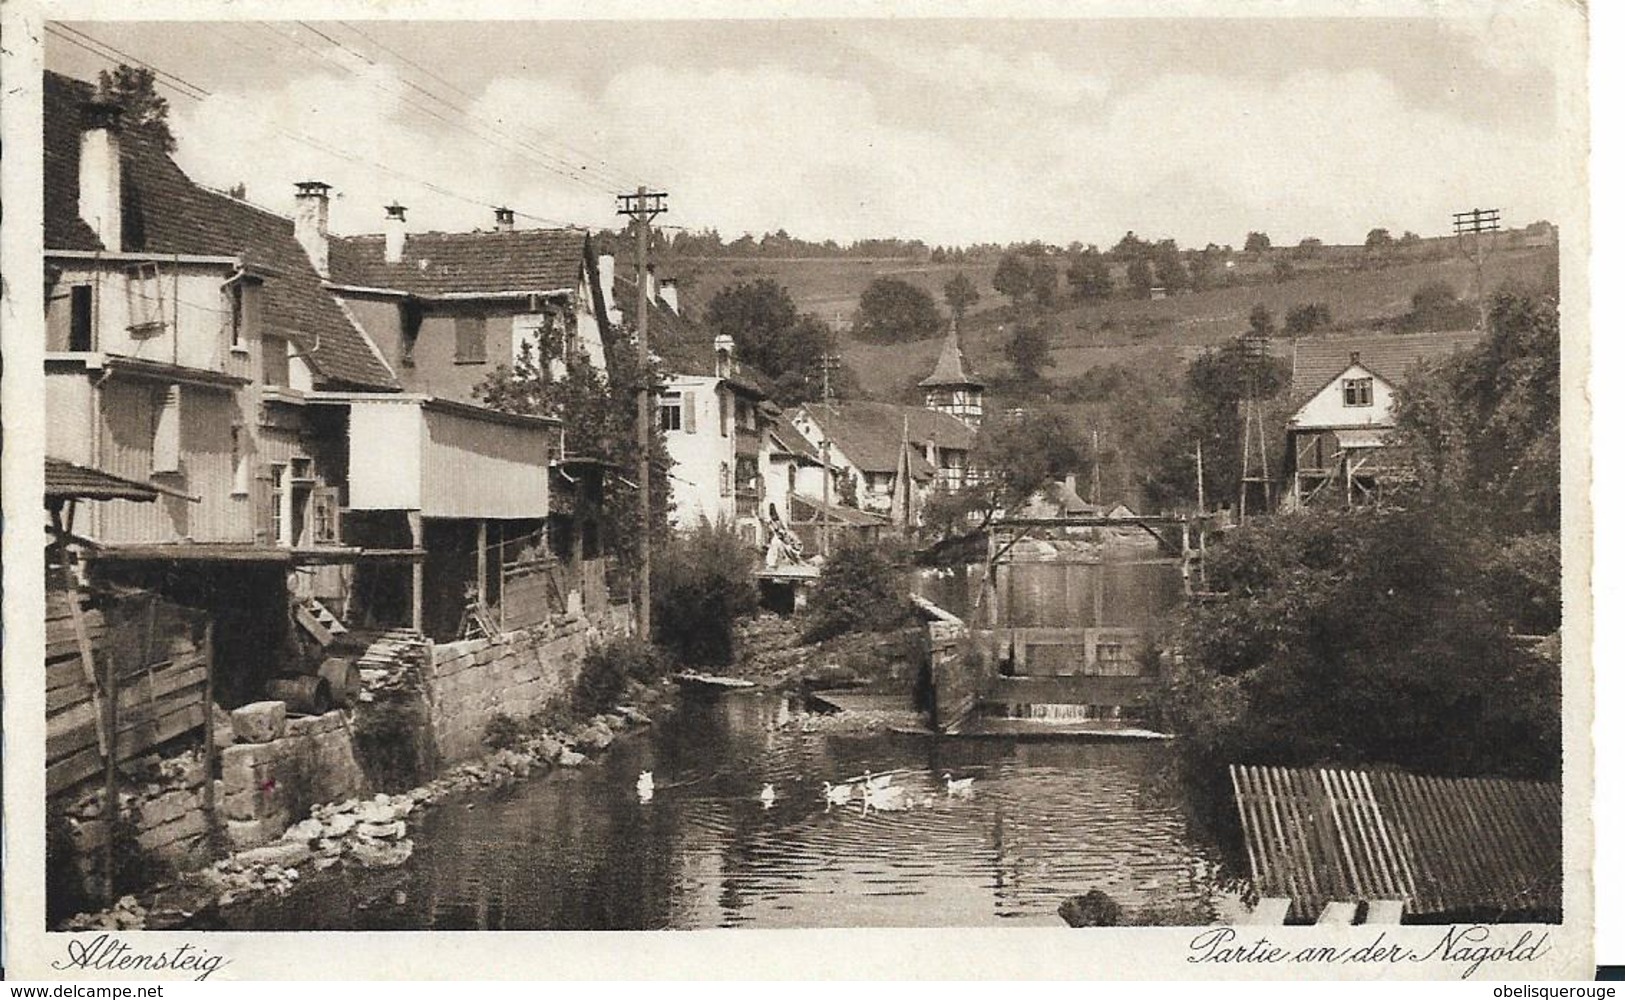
828, 472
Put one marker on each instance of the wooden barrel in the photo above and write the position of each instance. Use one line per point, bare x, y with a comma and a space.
304, 695
343, 679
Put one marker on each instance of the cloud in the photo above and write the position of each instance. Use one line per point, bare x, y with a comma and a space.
752, 149
1032, 76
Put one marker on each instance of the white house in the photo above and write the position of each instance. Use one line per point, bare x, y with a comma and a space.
714, 432
1343, 389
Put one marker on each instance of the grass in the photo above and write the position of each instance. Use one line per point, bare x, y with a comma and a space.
1119, 330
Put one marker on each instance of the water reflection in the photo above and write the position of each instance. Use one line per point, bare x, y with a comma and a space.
578, 850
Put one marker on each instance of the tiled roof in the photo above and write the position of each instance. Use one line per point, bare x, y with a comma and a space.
1316, 361
795, 443
950, 368
868, 433
522, 260
66, 481
166, 212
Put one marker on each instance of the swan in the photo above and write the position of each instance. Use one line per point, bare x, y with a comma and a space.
958, 788
871, 782
836, 795
769, 796
646, 786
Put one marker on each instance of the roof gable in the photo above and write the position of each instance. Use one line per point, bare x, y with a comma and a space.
869, 433
165, 212
1317, 362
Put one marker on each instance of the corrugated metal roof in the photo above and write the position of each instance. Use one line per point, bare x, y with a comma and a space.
1443, 845
1318, 360
66, 481
166, 213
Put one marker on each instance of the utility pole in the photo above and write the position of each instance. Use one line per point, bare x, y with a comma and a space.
1201, 490
1255, 350
643, 207
1094, 471
827, 363
1478, 223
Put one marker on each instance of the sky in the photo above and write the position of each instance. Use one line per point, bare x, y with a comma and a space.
952, 132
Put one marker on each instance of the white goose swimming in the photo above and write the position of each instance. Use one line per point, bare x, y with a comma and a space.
836, 795
958, 788
646, 786
769, 796
883, 798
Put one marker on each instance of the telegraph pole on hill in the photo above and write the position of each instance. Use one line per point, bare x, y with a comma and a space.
1478, 223
643, 207
826, 363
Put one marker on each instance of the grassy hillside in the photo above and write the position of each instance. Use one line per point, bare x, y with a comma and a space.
1124, 331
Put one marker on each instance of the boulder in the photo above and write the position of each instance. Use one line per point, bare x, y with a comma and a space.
549, 749
260, 722
287, 852
304, 830
633, 715
224, 732
382, 830
597, 736
376, 812
570, 758
1092, 909
339, 824
380, 853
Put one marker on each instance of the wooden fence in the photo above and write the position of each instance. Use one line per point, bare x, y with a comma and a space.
1440, 845
160, 669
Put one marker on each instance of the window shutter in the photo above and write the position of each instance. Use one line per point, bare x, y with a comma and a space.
166, 432
690, 422
79, 335
470, 347
262, 505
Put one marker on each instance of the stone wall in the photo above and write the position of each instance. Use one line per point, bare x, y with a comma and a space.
517, 674
961, 672
165, 810
266, 786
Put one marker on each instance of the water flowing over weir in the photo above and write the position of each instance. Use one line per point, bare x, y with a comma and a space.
579, 850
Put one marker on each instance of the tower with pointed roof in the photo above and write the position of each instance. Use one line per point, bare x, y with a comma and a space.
949, 389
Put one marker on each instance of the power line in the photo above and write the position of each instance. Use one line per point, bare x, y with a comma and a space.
192, 91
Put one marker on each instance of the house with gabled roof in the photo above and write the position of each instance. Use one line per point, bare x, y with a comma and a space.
193, 344
1338, 447
446, 309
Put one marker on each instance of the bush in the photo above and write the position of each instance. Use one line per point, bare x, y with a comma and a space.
503, 732
862, 588
702, 581
607, 668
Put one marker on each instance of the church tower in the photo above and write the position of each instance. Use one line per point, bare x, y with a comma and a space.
949, 389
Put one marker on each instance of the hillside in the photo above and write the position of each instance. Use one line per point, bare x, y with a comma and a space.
1120, 330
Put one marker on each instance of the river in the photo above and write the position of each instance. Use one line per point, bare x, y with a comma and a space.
577, 849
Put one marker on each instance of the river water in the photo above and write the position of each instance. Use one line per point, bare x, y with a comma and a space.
578, 850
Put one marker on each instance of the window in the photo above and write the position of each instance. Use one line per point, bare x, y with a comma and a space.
324, 516
1357, 392
470, 347
671, 411
144, 293
79, 338
274, 361
724, 411
234, 304
279, 489
535, 330
744, 414
166, 430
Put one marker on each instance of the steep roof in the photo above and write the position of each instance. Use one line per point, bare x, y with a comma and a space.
523, 260
795, 443
868, 433
166, 212
950, 370
1316, 361
67, 481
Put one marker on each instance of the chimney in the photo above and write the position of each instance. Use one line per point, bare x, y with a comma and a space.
310, 222
1072, 482
101, 174
724, 345
606, 286
394, 232
668, 294
1354, 357
504, 219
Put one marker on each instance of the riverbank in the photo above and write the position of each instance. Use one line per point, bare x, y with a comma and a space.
376, 832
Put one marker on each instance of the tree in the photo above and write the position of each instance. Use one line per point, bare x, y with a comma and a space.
770, 335
1089, 275
1483, 424
1261, 322
1307, 318
602, 414
1169, 267
1139, 277
1366, 637
1012, 277
1130, 247
861, 588
1410, 239
892, 311
1028, 351
1045, 281
960, 293
1256, 242
144, 112
701, 582
1017, 456
1379, 241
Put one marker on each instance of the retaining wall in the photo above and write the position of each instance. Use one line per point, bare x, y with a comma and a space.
265, 787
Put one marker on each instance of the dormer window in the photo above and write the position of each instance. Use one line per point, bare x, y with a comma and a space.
1357, 392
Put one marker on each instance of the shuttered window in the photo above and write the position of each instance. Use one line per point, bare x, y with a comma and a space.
274, 361
79, 338
671, 411
166, 430
690, 424
470, 348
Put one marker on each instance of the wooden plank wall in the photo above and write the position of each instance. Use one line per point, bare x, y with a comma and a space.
1442, 845
161, 694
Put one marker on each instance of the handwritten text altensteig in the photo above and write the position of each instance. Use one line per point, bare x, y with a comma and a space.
1469, 947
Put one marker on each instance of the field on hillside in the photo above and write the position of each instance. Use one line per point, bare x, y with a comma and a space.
827, 287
